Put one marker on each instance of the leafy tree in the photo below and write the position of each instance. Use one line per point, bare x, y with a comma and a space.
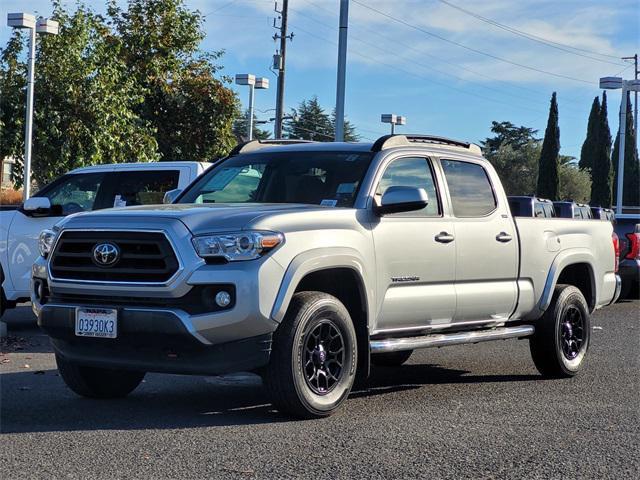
514, 153
311, 122
548, 186
191, 109
84, 101
240, 128
631, 180
517, 168
508, 134
575, 183
601, 172
592, 141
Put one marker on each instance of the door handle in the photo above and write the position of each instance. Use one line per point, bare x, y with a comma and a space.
444, 237
504, 237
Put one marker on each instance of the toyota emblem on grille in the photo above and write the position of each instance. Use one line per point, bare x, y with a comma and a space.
106, 254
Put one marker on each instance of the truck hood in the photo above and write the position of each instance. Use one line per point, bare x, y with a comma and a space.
198, 218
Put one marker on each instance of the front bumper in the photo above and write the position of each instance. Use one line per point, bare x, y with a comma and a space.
151, 341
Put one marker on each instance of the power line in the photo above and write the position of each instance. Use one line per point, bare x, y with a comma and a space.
466, 47
535, 38
428, 67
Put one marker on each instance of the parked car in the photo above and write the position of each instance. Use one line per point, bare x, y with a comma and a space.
627, 227
83, 189
569, 209
309, 262
524, 206
601, 213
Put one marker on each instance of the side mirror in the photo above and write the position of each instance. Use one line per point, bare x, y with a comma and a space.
402, 199
171, 195
37, 206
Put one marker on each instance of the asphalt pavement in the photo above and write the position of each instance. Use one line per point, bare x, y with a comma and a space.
476, 411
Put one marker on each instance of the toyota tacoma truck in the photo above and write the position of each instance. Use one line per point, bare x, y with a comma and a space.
308, 262
82, 189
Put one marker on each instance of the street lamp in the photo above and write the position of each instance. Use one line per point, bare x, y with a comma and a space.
613, 83
261, 83
45, 26
394, 120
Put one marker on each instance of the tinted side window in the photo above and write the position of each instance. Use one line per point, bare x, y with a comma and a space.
73, 193
411, 172
470, 189
142, 187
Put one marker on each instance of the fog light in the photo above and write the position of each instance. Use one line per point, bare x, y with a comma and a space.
223, 299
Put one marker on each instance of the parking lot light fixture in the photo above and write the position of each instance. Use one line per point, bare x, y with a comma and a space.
614, 83
261, 83
394, 120
44, 26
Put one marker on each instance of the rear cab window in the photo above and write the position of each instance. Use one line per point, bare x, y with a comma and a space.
139, 187
471, 191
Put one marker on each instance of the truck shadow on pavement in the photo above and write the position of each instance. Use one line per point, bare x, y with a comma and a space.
40, 402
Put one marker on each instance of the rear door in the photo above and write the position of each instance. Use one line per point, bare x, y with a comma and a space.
486, 243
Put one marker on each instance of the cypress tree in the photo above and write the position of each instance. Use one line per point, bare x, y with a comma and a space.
548, 184
590, 144
601, 173
631, 180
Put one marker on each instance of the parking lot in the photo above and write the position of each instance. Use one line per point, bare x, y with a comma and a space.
478, 411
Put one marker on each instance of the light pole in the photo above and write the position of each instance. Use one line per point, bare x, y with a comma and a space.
394, 120
43, 25
613, 83
342, 69
261, 83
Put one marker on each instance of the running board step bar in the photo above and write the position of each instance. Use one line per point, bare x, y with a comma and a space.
445, 339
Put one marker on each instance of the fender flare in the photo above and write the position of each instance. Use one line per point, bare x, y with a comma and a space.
316, 260
560, 262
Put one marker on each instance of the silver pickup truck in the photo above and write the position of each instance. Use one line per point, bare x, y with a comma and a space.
307, 262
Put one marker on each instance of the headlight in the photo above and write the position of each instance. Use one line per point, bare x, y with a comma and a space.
45, 241
237, 246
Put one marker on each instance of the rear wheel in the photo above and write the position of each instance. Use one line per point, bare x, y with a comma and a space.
96, 382
561, 340
390, 359
313, 358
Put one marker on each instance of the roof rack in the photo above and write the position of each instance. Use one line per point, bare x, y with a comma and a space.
389, 141
252, 145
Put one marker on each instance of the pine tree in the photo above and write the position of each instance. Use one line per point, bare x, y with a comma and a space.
240, 128
548, 184
631, 180
590, 145
310, 122
601, 173
350, 134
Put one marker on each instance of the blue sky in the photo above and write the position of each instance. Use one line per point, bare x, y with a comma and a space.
447, 71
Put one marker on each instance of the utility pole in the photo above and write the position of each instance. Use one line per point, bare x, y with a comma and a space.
635, 107
279, 60
342, 69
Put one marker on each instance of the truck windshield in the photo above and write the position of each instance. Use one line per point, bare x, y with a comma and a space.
318, 178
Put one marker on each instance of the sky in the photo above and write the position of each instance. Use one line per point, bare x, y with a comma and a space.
449, 66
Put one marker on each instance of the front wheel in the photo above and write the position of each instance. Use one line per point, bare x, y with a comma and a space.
94, 382
561, 340
313, 358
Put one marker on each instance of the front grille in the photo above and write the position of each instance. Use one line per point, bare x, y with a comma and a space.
144, 257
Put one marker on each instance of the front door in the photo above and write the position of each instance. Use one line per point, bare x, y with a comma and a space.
486, 244
415, 260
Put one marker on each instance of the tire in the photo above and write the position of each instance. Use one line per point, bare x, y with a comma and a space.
93, 382
308, 376
390, 359
561, 340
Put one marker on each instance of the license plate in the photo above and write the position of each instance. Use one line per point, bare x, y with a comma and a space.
97, 322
